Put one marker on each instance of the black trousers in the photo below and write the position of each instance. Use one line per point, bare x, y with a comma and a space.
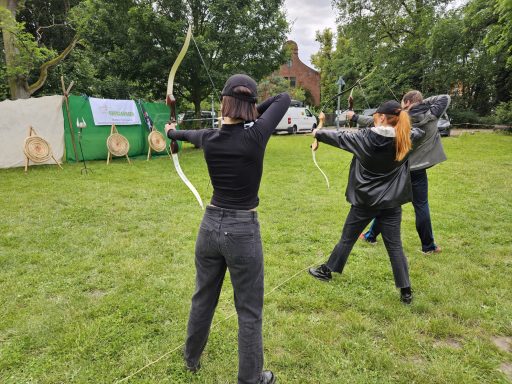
419, 182
231, 239
357, 219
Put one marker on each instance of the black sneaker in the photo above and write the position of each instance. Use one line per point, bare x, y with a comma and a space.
267, 377
192, 368
321, 273
406, 295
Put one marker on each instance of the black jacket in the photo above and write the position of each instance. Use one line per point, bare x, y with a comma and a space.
429, 150
376, 180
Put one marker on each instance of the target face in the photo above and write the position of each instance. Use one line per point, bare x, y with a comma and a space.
156, 141
37, 149
118, 144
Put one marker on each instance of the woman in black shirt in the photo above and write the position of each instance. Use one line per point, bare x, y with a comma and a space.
229, 235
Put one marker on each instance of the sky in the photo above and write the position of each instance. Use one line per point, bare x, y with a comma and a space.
306, 17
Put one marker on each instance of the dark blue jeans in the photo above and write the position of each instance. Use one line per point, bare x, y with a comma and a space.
357, 219
231, 239
419, 182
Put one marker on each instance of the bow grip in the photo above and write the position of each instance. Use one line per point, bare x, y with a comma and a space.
350, 103
174, 147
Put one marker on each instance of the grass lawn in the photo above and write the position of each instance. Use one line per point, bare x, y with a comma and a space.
97, 272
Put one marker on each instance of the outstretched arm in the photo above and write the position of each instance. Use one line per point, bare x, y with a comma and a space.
192, 136
349, 141
438, 104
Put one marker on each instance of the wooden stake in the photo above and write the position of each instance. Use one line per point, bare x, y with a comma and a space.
66, 98
26, 157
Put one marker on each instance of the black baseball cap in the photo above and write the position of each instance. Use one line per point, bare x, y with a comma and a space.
244, 81
390, 107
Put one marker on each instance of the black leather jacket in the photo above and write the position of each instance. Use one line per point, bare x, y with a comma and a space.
376, 180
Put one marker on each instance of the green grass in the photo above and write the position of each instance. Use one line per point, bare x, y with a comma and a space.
97, 272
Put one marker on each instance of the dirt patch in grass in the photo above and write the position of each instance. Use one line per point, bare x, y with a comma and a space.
449, 343
506, 368
503, 343
417, 360
96, 294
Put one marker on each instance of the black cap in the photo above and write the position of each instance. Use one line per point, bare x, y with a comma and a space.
390, 107
244, 81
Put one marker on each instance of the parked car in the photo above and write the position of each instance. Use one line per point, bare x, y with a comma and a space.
444, 125
296, 103
367, 112
342, 115
188, 120
297, 119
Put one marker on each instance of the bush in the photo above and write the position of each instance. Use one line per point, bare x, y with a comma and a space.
503, 113
460, 116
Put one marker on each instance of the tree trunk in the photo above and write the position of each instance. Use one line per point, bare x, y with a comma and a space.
17, 87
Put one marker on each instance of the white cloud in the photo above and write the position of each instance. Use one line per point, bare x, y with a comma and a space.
307, 17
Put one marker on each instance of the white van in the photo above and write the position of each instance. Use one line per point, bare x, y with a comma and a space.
297, 119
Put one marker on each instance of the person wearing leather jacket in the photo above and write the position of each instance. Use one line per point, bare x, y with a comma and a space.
424, 114
379, 183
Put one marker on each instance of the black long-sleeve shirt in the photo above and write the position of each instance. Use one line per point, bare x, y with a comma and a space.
234, 154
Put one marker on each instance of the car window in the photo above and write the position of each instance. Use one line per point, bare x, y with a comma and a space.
369, 111
308, 114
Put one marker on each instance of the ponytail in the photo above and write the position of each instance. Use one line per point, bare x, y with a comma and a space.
402, 135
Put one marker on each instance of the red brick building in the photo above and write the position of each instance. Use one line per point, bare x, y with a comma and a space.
299, 74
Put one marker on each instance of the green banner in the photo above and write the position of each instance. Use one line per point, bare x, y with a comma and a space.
94, 138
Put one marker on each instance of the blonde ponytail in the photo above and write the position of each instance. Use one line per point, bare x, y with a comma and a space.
402, 135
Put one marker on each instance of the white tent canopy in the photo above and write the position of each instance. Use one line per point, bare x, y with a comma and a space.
44, 114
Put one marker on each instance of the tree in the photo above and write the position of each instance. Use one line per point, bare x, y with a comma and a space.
389, 36
272, 85
323, 61
424, 45
23, 55
135, 43
498, 41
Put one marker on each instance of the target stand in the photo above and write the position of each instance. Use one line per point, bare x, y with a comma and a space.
37, 149
117, 145
156, 142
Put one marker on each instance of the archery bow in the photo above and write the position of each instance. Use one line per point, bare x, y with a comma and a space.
321, 118
314, 147
350, 108
170, 100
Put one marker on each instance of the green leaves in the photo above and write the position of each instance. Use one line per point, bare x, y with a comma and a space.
126, 47
424, 45
29, 55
